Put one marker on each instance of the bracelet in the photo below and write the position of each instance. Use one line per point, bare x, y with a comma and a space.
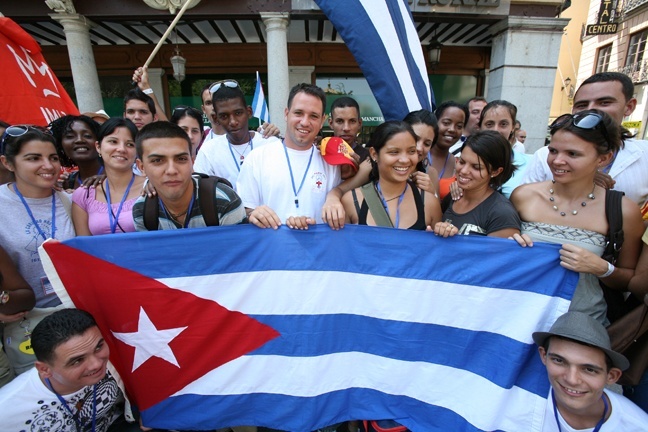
147, 91
609, 271
4, 297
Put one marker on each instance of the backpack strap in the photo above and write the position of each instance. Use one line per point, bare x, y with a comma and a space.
614, 215
376, 208
207, 186
151, 212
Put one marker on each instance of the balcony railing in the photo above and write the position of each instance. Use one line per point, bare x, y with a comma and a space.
629, 5
638, 72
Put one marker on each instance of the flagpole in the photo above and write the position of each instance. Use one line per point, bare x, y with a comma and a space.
166, 34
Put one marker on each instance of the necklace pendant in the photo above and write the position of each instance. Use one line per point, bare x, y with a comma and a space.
242, 157
296, 202
584, 204
562, 213
555, 208
591, 196
574, 212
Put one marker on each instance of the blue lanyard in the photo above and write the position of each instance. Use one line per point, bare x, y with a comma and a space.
114, 219
292, 178
598, 425
444, 164
384, 203
79, 426
31, 215
101, 170
239, 162
187, 215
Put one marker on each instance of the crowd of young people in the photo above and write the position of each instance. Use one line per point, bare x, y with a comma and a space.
450, 173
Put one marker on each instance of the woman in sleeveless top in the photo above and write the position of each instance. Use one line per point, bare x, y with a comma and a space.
483, 166
452, 117
31, 212
108, 208
570, 209
399, 203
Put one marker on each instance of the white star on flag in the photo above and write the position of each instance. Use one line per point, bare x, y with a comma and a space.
149, 341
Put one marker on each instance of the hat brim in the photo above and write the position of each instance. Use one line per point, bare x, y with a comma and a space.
618, 360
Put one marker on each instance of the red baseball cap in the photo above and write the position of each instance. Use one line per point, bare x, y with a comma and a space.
336, 151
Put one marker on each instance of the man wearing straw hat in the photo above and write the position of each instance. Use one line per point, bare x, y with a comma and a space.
580, 364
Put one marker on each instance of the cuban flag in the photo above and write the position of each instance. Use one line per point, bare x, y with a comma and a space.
259, 105
297, 330
381, 36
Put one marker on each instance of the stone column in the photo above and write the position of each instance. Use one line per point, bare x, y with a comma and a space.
84, 69
276, 24
300, 74
155, 80
524, 59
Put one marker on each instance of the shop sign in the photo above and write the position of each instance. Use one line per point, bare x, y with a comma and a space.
604, 24
631, 124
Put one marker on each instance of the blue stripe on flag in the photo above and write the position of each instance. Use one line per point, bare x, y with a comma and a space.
384, 75
301, 336
293, 413
259, 106
248, 248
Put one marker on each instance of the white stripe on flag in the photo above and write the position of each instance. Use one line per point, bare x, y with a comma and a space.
451, 388
381, 18
445, 303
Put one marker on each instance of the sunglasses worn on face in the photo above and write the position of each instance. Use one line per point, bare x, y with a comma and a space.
18, 131
584, 121
217, 85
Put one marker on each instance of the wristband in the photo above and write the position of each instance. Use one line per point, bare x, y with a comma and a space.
148, 91
4, 297
609, 271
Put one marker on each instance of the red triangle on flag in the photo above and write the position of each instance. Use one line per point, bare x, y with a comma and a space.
114, 295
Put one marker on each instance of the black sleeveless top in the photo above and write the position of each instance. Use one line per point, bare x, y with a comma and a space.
420, 225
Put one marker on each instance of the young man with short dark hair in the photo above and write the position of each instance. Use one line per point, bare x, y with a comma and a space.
139, 108
69, 389
287, 182
224, 155
346, 123
580, 364
164, 156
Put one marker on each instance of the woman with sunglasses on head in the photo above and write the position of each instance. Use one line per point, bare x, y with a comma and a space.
191, 121
107, 208
75, 142
31, 212
570, 209
394, 157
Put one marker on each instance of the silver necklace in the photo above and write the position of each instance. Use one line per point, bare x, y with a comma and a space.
574, 212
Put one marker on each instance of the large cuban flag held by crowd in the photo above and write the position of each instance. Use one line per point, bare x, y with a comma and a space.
381, 36
296, 330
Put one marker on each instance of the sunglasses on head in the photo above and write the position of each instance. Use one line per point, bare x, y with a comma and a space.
18, 131
585, 121
182, 108
217, 85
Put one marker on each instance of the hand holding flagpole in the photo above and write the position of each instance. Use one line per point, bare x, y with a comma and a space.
166, 33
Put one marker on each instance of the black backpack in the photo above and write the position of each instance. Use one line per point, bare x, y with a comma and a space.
207, 190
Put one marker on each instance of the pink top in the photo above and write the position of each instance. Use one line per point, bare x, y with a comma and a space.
98, 221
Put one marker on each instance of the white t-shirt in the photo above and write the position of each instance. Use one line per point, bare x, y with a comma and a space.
265, 180
626, 417
27, 404
217, 157
629, 170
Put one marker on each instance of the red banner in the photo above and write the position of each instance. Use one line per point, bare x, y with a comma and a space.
30, 93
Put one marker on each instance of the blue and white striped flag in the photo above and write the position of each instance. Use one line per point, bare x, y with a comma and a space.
259, 105
296, 330
381, 36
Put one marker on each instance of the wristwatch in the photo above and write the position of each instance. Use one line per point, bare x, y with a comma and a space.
4, 297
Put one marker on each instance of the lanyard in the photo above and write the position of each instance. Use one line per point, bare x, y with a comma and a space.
31, 215
187, 213
384, 202
101, 170
598, 425
77, 421
292, 178
114, 219
444, 164
239, 162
